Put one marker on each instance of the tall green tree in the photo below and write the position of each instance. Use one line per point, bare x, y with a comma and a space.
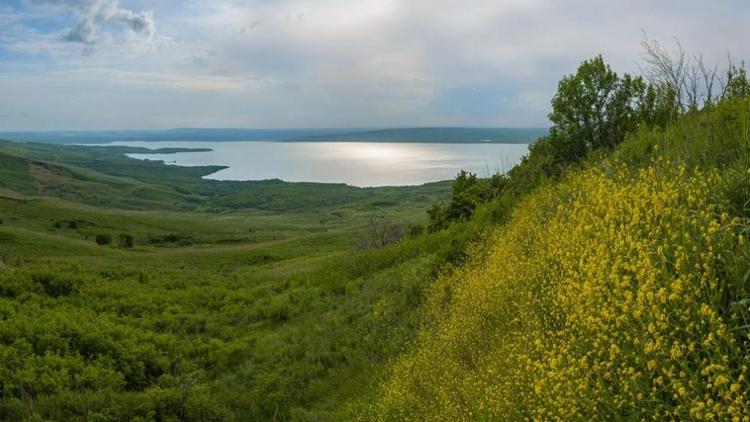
594, 108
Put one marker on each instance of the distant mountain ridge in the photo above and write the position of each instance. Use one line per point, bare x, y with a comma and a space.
436, 134
417, 134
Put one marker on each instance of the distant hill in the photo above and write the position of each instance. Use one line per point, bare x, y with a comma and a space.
436, 134
432, 134
179, 134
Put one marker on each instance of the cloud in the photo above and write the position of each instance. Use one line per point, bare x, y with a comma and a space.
141, 23
328, 63
84, 32
94, 14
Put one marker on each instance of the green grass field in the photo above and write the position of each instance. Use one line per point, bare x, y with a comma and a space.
224, 308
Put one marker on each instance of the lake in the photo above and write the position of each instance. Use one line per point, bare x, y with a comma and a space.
355, 163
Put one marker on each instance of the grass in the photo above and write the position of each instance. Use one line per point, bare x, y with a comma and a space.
225, 308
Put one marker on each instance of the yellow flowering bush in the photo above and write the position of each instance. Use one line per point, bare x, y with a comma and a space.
604, 298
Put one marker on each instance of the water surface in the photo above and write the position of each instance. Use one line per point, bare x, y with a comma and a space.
354, 163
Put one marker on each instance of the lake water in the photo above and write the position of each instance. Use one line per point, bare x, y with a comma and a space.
354, 163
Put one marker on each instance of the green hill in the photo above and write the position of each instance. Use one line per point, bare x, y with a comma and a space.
435, 135
618, 292
205, 300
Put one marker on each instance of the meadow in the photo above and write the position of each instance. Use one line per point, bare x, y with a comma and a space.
205, 300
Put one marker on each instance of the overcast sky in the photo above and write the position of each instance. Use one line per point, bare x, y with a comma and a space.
104, 64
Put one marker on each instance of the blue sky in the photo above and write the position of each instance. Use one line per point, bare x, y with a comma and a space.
104, 64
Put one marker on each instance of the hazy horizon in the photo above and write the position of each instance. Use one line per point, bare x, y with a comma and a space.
280, 128
394, 135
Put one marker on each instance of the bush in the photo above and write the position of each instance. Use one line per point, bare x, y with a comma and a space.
379, 233
414, 229
172, 239
103, 239
56, 284
125, 241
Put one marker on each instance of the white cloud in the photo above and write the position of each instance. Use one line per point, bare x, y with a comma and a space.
93, 14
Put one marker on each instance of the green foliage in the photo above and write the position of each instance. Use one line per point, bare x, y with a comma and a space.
467, 192
171, 239
718, 137
594, 108
125, 240
737, 83
193, 345
205, 319
103, 239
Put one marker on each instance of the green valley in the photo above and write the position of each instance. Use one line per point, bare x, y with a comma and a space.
206, 300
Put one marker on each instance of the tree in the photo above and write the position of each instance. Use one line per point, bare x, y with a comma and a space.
737, 85
659, 105
468, 191
666, 69
594, 108
378, 233
688, 80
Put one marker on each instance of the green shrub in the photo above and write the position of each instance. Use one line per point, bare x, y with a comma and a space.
125, 241
103, 239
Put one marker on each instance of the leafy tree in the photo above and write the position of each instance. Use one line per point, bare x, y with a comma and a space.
438, 219
594, 108
659, 106
468, 191
737, 83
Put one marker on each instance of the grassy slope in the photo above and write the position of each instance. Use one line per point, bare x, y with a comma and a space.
619, 294
251, 314
87, 174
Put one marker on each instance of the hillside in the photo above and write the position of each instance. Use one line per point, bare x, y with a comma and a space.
620, 293
133, 290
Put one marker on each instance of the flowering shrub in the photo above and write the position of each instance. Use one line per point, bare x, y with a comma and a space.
610, 296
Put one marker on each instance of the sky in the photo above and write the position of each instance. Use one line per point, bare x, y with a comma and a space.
136, 64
